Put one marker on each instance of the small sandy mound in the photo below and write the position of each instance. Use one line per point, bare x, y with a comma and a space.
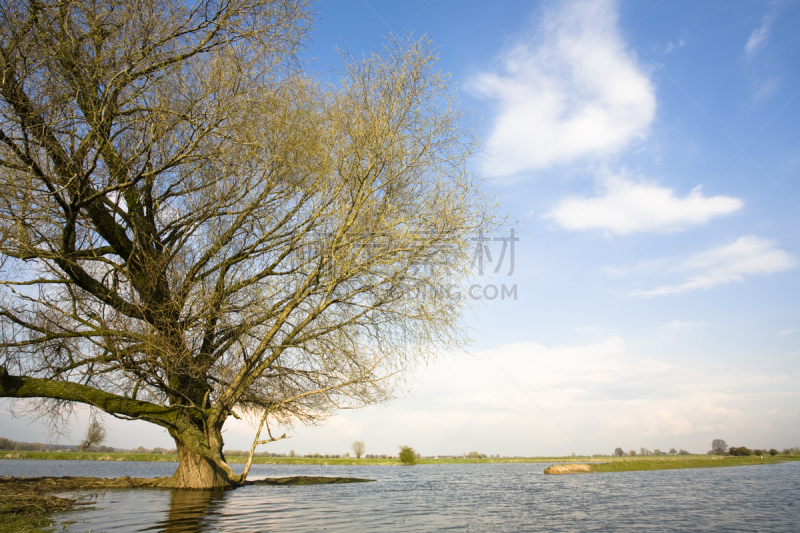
568, 469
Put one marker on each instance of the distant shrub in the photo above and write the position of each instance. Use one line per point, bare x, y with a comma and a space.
773, 451
683, 452
740, 451
104, 449
407, 455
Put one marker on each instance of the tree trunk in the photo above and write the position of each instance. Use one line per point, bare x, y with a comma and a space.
197, 472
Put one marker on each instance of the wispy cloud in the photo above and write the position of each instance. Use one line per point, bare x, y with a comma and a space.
627, 206
764, 89
682, 325
758, 39
764, 79
748, 256
788, 332
570, 89
671, 47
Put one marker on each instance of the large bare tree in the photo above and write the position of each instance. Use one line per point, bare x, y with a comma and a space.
192, 228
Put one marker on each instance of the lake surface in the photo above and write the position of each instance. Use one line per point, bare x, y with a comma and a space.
460, 497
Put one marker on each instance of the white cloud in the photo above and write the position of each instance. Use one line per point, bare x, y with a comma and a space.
600, 395
570, 90
788, 332
748, 256
627, 206
758, 39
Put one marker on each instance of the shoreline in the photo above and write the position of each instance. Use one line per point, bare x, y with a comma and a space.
235, 459
620, 464
630, 464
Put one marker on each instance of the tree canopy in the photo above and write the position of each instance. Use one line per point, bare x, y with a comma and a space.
192, 227
358, 448
719, 446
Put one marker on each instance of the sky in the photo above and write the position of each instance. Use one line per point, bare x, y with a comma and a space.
646, 154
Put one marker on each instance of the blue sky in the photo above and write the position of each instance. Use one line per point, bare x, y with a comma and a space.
647, 154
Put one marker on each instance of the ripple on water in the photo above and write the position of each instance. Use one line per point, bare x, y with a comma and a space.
485, 497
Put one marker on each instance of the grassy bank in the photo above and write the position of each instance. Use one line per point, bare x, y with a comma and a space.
635, 464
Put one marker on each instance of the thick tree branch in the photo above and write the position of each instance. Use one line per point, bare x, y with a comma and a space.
27, 387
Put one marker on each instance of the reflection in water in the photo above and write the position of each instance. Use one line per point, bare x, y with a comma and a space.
190, 511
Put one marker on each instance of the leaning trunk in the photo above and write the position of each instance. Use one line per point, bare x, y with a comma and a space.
197, 472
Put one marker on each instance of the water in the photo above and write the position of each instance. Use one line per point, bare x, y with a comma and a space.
461, 497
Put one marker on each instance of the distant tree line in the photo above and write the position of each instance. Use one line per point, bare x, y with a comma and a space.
619, 452
742, 451
720, 447
8, 444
